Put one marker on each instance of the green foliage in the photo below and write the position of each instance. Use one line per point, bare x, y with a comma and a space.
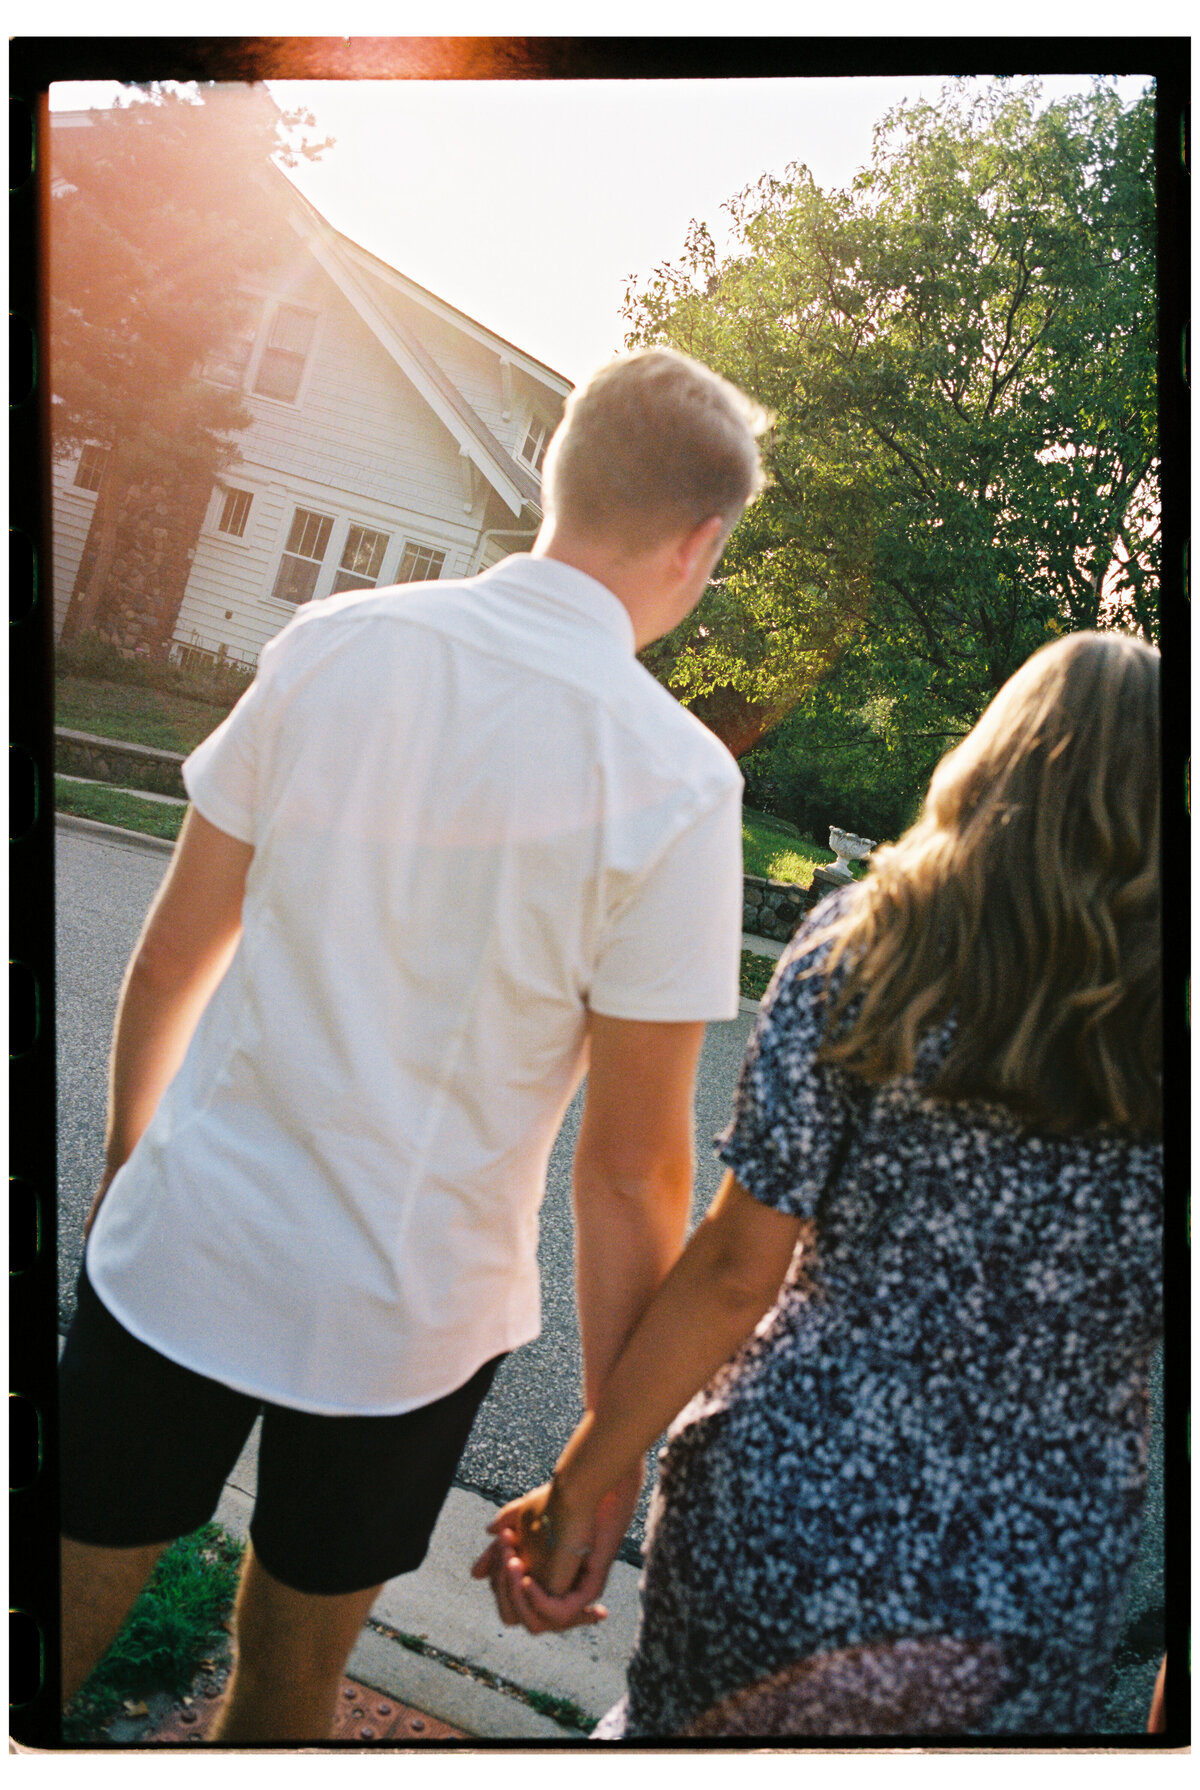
163, 212
814, 773
116, 808
90, 658
960, 355
176, 1621
146, 267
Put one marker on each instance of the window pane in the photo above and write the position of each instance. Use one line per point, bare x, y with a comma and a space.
534, 450
344, 580
235, 512
292, 330
296, 579
309, 534
418, 564
90, 471
364, 551
227, 365
279, 375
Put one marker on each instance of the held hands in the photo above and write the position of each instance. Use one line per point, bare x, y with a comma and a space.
549, 1560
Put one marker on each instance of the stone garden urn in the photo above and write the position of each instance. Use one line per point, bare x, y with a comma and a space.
848, 847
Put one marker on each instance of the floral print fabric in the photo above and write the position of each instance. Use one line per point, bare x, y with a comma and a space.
940, 1428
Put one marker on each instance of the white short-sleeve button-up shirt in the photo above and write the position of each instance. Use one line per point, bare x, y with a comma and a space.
475, 817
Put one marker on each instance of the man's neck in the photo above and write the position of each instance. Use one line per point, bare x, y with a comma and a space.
635, 579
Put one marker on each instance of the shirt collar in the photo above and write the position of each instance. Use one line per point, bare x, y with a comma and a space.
568, 586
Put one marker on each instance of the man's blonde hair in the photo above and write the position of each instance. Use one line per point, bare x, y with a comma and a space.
1025, 902
652, 445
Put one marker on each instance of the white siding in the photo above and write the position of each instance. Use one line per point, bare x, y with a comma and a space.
228, 601
360, 426
71, 511
360, 444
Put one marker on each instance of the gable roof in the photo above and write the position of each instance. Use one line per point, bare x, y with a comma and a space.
367, 285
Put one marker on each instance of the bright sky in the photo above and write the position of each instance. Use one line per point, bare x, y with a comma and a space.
528, 204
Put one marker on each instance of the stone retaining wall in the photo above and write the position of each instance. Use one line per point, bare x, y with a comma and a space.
775, 910
116, 761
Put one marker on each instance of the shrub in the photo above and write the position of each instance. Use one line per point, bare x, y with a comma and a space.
855, 780
91, 656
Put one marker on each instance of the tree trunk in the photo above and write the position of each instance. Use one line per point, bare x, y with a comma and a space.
102, 539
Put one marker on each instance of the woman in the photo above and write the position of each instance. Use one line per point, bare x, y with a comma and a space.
945, 1146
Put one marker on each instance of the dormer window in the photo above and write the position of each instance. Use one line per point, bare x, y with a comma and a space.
534, 450
285, 352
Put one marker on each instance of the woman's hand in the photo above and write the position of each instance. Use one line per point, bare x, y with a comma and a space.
550, 1558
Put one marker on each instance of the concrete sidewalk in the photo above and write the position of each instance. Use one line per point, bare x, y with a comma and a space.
493, 1682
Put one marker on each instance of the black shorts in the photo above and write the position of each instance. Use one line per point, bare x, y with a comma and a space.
343, 1502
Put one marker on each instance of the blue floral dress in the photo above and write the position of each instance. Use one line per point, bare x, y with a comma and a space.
942, 1430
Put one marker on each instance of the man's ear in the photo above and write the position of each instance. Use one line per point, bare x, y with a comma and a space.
700, 545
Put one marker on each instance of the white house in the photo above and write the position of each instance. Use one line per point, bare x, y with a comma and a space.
394, 439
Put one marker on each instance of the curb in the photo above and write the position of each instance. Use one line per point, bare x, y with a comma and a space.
78, 823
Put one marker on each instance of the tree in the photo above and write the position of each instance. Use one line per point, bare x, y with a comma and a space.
159, 214
959, 352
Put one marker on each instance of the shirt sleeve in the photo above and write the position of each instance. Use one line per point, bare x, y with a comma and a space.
673, 951
222, 775
790, 1111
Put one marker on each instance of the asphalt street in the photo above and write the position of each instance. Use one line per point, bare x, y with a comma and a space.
104, 888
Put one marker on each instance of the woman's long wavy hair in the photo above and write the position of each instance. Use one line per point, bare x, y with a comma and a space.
1025, 901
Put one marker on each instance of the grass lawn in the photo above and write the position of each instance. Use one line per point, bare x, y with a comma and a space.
773, 849
176, 1626
143, 716
756, 973
95, 802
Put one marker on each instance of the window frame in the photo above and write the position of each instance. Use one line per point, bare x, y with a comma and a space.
287, 552
269, 305
264, 346
538, 426
254, 304
345, 520
93, 448
419, 550
227, 494
361, 581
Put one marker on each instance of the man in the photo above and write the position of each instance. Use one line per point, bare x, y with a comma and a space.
452, 848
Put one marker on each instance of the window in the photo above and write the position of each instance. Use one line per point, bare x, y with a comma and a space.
227, 364
534, 450
419, 563
90, 471
235, 512
361, 559
296, 578
282, 364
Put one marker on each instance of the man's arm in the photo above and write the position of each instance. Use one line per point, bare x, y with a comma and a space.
632, 1177
633, 1183
184, 949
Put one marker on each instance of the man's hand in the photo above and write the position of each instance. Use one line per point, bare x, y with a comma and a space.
548, 1564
